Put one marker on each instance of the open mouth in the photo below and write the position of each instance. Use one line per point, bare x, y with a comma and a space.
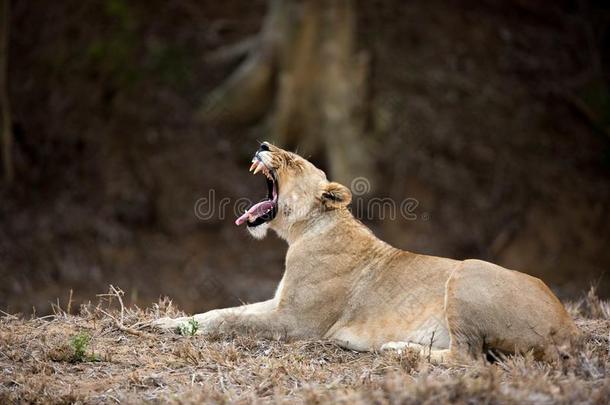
265, 210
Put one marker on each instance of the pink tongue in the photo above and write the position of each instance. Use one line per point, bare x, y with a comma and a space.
255, 211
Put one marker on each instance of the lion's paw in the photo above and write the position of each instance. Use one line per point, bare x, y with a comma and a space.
167, 323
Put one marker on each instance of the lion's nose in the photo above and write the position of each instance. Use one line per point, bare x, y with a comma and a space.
264, 147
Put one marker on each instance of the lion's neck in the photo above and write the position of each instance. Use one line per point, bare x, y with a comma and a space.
323, 224
314, 247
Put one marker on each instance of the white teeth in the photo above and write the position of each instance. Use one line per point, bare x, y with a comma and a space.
258, 166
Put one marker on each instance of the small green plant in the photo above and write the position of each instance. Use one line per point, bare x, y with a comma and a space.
188, 328
79, 345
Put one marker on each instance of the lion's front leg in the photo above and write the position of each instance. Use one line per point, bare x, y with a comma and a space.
261, 318
263, 324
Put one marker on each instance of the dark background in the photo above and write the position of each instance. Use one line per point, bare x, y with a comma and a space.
493, 115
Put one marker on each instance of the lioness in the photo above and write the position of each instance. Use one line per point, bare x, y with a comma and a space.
344, 284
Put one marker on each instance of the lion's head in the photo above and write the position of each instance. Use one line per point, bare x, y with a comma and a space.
297, 192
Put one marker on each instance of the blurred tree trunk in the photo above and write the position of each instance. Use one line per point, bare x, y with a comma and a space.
7, 135
303, 69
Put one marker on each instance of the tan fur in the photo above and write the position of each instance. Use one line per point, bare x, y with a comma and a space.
344, 284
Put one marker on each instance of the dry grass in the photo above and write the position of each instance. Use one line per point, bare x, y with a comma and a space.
127, 362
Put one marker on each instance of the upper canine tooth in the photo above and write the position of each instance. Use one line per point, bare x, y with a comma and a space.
254, 164
258, 168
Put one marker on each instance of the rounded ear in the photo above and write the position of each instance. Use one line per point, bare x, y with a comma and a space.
335, 195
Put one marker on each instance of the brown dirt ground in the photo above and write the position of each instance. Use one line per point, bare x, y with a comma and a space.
138, 365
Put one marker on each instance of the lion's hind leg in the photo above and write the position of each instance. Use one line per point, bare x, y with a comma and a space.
434, 356
489, 308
